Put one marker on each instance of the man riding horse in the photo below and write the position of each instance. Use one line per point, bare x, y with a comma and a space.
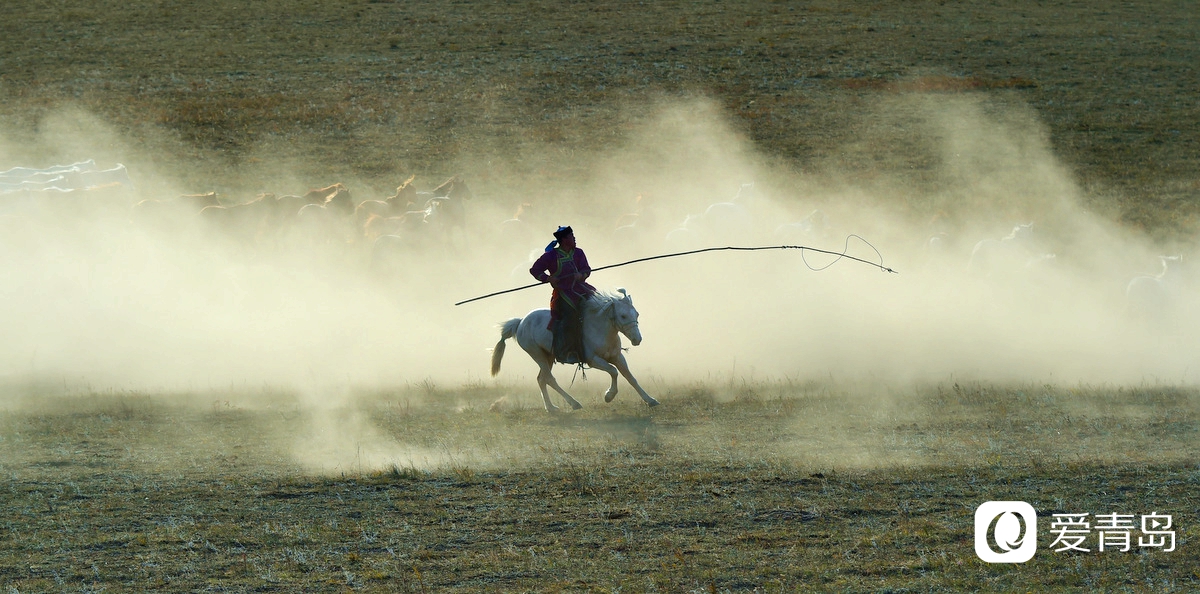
566, 268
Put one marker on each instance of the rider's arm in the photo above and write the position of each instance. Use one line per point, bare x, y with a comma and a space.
585, 270
540, 269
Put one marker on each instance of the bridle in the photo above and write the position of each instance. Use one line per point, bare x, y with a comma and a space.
612, 316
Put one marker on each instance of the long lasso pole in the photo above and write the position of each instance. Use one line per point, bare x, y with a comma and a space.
840, 255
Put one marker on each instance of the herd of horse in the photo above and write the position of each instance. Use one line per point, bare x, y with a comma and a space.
64, 179
409, 220
326, 214
329, 215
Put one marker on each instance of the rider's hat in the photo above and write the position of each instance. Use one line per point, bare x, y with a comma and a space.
558, 235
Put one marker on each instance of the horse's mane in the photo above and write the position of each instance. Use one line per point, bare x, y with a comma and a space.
600, 301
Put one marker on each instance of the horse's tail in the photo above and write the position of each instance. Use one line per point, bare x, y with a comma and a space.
507, 330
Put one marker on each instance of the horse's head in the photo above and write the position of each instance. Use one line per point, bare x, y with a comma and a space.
1022, 232
1171, 266
460, 190
625, 317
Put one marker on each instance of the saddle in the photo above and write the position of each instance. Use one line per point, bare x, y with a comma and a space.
568, 339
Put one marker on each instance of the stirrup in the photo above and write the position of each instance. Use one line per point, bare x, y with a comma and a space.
579, 369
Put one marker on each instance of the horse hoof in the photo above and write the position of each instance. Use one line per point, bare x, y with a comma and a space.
552, 409
652, 402
609, 396
576, 406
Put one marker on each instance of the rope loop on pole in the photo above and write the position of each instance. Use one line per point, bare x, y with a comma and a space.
840, 255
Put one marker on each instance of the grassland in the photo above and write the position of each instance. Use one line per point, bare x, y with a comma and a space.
730, 486
771, 486
527, 93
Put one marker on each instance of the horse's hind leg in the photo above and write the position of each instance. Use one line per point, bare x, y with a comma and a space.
624, 368
546, 378
543, 373
571, 401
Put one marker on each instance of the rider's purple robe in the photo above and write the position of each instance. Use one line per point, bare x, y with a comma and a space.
562, 264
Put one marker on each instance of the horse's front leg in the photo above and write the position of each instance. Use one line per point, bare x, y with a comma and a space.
624, 368
606, 367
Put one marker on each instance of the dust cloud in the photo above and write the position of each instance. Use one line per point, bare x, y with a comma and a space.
101, 294
95, 293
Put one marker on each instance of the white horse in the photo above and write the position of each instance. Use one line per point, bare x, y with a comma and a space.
999, 257
1157, 298
605, 317
64, 178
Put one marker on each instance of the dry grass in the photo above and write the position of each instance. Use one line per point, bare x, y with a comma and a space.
379, 90
775, 486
